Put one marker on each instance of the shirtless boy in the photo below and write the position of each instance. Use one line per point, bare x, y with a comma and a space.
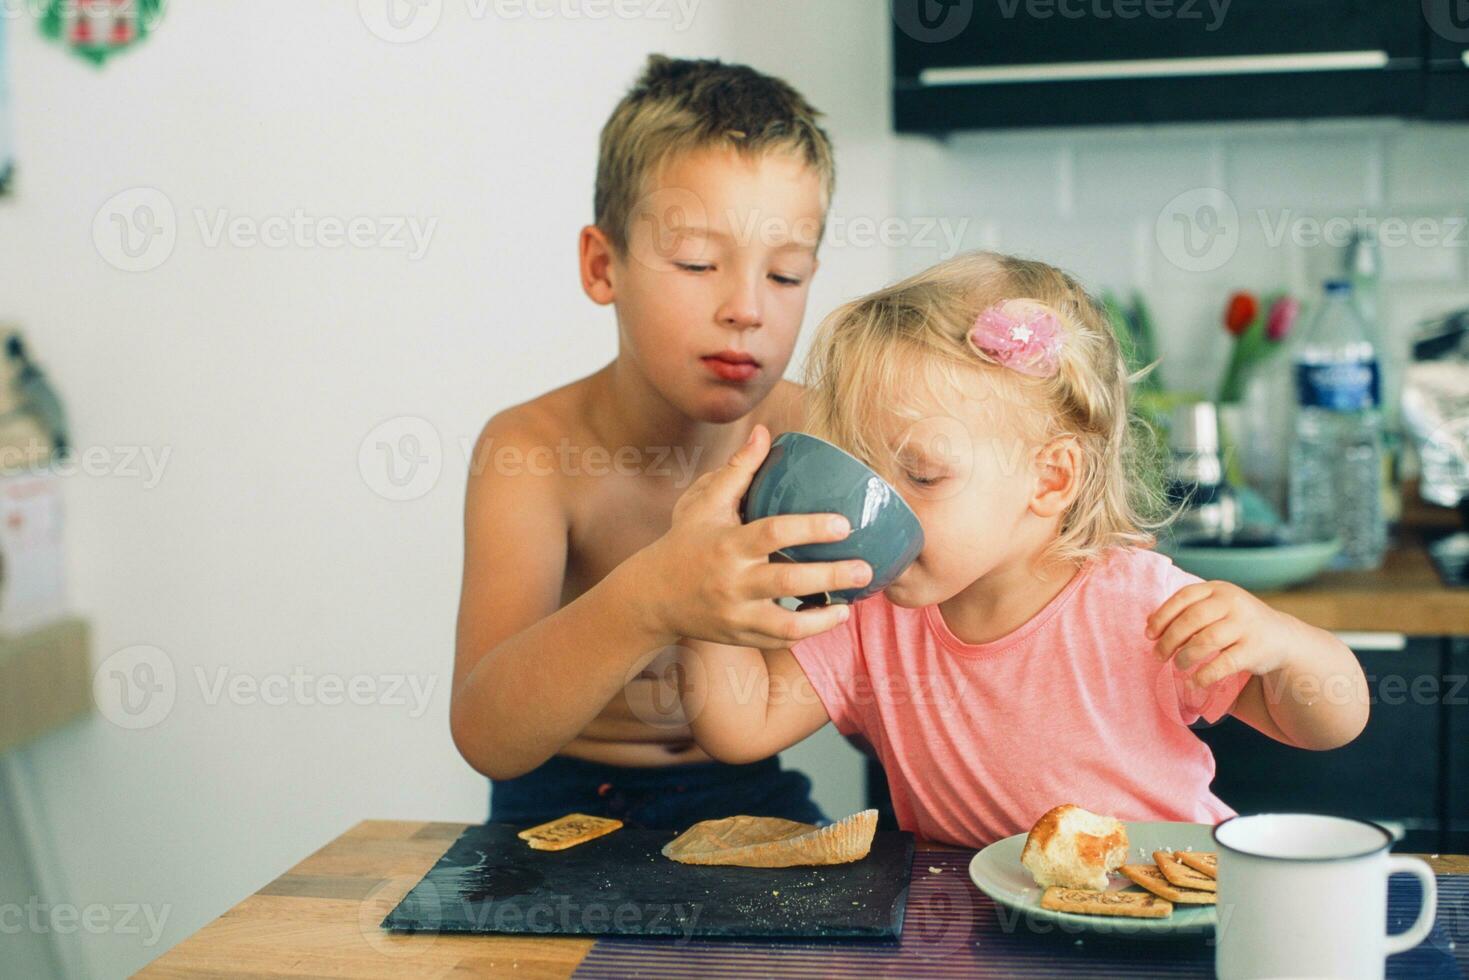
712, 187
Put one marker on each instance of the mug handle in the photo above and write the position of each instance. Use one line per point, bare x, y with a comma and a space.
1418, 931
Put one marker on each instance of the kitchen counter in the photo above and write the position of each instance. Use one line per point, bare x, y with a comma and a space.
1404, 596
321, 919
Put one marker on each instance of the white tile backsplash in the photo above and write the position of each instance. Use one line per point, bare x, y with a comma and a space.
1424, 246
987, 179
1137, 176
1337, 172
1096, 202
1086, 249
1428, 166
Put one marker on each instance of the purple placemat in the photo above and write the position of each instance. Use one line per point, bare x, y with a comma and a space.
952, 929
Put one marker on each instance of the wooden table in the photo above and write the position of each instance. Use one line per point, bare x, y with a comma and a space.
320, 919
1405, 595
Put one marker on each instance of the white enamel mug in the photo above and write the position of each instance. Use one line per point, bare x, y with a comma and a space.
1302, 895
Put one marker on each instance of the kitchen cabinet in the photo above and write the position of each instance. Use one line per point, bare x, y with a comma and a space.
966, 65
1446, 80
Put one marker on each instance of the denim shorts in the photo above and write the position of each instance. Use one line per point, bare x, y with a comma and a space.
655, 797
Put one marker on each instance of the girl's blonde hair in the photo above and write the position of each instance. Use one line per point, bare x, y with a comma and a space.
885, 354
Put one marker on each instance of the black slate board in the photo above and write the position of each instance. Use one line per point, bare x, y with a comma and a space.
621, 885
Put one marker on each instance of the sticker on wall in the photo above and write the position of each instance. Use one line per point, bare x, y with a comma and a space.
99, 29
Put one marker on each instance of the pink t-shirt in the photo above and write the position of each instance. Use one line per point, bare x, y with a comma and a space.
979, 740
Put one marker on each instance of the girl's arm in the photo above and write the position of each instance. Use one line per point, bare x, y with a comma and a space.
744, 705
1308, 689
1317, 700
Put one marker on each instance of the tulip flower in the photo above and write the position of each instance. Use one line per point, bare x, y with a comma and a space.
1281, 318
1255, 342
1240, 313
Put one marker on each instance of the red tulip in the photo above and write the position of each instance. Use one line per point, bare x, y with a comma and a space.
1241, 312
1282, 317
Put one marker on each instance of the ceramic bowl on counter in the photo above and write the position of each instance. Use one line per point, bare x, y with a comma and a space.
1259, 563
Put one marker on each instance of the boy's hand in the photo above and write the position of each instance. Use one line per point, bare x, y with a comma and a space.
1206, 618
710, 577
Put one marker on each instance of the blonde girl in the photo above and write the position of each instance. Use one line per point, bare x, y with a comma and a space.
1036, 652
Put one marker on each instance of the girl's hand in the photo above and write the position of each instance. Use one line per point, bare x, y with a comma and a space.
1208, 618
711, 578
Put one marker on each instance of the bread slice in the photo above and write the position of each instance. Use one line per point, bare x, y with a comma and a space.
1074, 848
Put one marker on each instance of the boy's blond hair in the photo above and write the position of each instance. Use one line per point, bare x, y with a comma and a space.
887, 353
679, 105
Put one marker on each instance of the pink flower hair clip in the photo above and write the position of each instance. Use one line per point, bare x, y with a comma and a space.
1024, 335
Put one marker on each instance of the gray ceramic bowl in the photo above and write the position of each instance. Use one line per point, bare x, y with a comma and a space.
806, 475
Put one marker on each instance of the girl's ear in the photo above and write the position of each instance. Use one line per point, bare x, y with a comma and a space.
595, 260
1058, 477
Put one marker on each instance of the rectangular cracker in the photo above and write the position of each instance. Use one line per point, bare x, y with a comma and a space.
1132, 905
1152, 879
1181, 874
1204, 862
568, 831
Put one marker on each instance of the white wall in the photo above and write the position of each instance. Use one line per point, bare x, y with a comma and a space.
264, 550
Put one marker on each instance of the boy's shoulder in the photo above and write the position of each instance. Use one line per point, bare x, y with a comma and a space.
560, 414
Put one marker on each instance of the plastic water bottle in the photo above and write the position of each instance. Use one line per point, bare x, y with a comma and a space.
1336, 460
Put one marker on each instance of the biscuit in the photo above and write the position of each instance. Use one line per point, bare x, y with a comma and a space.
1204, 862
1132, 905
1152, 879
568, 831
1181, 874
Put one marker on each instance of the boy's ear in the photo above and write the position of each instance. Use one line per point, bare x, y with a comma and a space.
595, 258
1057, 478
